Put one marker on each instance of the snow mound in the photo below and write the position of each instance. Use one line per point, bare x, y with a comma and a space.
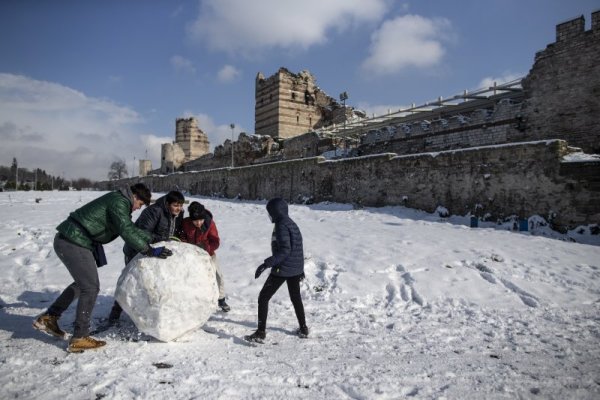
167, 298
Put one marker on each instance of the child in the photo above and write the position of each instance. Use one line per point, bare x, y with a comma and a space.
287, 265
200, 229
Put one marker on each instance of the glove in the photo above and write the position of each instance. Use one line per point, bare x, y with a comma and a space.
260, 270
160, 252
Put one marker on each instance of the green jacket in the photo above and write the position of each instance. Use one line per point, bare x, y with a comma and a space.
105, 218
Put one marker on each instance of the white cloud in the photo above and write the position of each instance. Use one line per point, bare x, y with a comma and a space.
379, 109
53, 127
182, 64
407, 41
250, 26
228, 73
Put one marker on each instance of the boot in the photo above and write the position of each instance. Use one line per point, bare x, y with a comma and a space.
258, 336
49, 325
115, 314
224, 306
302, 332
78, 345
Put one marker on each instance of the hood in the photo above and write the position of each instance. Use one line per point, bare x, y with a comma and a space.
161, 202
126, 192
277, 209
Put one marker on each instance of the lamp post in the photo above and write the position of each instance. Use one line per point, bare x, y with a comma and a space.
232, 126
343, 98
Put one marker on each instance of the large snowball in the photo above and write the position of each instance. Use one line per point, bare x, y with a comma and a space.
166, 298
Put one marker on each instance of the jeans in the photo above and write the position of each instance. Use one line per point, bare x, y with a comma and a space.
81, 265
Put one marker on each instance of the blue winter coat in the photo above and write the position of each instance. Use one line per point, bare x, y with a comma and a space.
286, 243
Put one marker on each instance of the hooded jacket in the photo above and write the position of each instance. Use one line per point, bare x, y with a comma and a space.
158, 222
206, 236
104, 219
286, 242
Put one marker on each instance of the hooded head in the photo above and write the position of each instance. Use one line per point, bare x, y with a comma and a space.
197, 211
277, 209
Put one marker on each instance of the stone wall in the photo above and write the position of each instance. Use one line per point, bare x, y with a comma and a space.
287, 104
476, 123
515, 179
563, 87
561, 99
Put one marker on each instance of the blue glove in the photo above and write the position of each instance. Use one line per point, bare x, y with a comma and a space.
260, 270
160, 252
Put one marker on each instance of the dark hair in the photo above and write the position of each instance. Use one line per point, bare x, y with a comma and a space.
197, 211
175, 196
142, 192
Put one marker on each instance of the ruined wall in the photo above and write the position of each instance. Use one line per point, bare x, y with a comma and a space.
288, 104
192, 140
246, 151
561, 99
515, 179
563, 87
477, 123
172, 156
145, 166
190, 143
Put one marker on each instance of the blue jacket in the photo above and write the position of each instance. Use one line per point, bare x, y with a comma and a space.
286, 243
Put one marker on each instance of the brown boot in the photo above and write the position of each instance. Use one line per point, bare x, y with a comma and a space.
49, 325
78, 345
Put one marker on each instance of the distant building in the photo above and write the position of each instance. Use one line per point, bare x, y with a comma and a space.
190, 143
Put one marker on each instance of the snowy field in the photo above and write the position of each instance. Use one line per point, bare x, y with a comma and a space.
401, 304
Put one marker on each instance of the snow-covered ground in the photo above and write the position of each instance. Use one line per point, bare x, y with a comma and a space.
401, 304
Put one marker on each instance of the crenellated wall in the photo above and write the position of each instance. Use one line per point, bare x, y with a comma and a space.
514, 179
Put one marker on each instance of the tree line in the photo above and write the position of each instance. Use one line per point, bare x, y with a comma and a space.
38, 179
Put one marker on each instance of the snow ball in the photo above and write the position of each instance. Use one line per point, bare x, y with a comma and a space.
167, 298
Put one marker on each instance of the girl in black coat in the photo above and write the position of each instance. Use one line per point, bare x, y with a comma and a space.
287, 265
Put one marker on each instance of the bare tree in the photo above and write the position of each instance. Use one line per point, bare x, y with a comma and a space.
118, 170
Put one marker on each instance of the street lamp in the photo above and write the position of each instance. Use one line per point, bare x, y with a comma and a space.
232, 126
343, 98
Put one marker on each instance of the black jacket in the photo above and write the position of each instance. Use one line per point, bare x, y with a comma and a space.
286, 243
157, 220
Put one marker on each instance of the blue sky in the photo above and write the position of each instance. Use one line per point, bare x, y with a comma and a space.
83, 83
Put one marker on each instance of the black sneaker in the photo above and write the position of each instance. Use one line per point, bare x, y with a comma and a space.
115, 314
302, 332
224, 306
257, 337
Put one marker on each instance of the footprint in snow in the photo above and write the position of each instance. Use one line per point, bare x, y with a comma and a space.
526, 297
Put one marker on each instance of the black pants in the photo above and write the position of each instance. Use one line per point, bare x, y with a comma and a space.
272, 284
82, 267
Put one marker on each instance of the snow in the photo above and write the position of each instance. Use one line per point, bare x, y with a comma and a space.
581, 157
400, 303
168, 298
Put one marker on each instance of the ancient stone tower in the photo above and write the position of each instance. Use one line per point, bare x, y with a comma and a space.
145, 166
190, 143
288, 104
